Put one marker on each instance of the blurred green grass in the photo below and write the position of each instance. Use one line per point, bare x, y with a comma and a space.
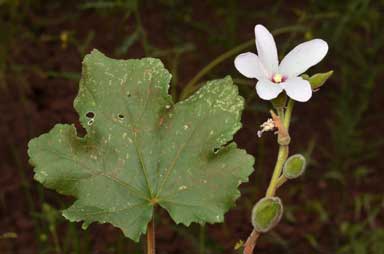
339, 130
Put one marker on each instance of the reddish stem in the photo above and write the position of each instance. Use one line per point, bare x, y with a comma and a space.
251, 242
151, 236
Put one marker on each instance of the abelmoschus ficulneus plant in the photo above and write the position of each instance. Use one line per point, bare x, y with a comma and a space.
141, 150
274, 78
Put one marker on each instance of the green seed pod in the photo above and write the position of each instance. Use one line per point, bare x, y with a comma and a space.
267, 213
294, 166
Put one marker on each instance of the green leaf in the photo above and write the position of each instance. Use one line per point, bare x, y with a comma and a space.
318, 79
267, 213
294, 166
142, 150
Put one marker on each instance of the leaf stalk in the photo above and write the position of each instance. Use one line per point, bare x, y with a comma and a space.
151, 247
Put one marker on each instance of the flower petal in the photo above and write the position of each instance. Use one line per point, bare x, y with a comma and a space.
266, 48
250, 66
268, 90
298, 89
302, 57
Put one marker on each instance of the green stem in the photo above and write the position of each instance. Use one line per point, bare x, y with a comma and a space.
190, 87
143, 34
283, 151
281, 158
55, 239
282, 179
288, 114
277, 179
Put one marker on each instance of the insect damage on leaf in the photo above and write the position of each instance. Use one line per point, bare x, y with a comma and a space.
142, 150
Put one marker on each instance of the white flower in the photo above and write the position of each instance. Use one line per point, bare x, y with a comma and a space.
273, 77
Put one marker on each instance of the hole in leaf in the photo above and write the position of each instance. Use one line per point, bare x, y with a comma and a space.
81, 131
121, 117
90, 122
90, 114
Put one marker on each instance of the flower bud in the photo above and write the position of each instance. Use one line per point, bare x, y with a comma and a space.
294, 166
267, 213
318, 79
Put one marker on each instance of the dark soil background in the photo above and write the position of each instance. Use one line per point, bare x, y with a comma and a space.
337, 207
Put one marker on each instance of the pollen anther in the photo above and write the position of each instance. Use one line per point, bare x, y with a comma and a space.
277, 78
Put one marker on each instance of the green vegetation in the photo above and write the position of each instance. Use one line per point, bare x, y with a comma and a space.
338, 202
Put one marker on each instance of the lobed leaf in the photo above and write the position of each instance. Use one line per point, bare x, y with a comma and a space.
141, 150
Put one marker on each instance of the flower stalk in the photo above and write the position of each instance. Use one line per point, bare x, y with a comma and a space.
282, 122
273, 77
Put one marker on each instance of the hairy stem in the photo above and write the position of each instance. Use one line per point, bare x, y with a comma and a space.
281, 158
277, 180
151, 236
288, 114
